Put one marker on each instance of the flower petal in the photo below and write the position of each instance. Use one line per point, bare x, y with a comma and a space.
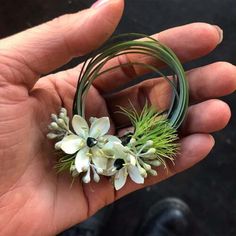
99, 127
82, 160
135, 174
98, 159
131, 159
111, 138
92, 119
80, 126
119, 151
71, 144
58, 145
120, 178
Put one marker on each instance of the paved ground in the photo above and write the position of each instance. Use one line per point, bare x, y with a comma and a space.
210, 187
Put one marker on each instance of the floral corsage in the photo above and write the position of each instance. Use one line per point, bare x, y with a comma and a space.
89, 152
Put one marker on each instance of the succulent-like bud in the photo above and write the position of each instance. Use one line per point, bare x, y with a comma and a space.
51, 135
142, 171
58, 145
61, 122
152, 172
146, 166
132, 141
96, 177
155, 163
54, 126
86, 179
151, 151
149, 143
63, 110
54, 117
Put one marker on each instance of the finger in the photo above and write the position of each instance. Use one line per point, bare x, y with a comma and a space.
193, 149
44, 48
215, 80
206, 117
188, 42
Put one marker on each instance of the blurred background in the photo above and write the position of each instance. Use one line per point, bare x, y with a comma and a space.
209, 188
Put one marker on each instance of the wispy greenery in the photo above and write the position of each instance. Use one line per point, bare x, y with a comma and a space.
152, 125
65, 162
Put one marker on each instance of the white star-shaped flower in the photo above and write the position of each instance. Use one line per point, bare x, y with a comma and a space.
123, 164
87, 143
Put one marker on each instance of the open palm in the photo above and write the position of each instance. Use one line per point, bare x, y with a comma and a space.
34, 200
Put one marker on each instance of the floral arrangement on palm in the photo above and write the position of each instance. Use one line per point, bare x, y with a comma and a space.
88, 151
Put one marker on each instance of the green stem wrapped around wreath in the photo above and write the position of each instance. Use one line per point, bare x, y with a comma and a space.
90, 150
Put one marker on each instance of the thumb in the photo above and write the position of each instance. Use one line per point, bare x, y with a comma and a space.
44, 48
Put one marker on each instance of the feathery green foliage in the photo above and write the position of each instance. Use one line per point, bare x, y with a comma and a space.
151, 125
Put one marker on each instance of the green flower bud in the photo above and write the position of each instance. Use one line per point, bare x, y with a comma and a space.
54, 117
151, 151
96, 177
86, 179
152, 172
132, 141
149, 143
146, 166
51, 135
63, 110
142, 171
155, 163
54, 126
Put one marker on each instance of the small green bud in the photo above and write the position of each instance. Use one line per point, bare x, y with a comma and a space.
51, 135
155, 163
62, 115
61, 123
54, 126
132, 141
86, 179
149, 143
142, 172
58, 145
146, 166
152, 172
96, 177
63, 110
151, 151
54, 117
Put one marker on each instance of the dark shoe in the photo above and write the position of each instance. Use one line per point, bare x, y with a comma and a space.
169, 217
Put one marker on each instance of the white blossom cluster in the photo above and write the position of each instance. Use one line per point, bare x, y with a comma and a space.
98, 153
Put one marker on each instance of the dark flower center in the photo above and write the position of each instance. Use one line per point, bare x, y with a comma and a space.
119, 163
91, 142
126, 138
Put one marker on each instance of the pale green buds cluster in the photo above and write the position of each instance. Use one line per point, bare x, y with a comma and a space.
59, 127
146, 157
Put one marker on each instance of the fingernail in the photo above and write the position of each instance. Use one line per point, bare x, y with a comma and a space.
220, 32
212, 140
99, 3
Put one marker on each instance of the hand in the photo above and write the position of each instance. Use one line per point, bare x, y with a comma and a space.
34, 200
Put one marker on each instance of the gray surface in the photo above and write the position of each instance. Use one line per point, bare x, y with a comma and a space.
210, 187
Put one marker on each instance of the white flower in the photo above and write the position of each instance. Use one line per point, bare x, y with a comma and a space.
87, 144
123, 165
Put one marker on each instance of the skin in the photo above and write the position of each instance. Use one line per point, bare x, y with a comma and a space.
34, 200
